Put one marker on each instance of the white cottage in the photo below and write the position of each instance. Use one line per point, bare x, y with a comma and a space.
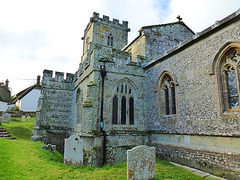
27, 99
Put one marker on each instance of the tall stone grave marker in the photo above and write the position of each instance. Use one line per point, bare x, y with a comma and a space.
141, 163
73, 151
6, 117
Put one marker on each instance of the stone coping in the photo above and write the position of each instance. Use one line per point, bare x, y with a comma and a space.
198, 172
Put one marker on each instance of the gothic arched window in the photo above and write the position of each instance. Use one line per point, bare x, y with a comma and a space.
123, 110
233, 96
110, 40
229, 79
167, 98
123, 105
173, 98
131, 110
115, 110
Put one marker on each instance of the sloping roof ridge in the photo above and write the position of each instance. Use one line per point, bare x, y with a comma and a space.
194, 38
24, 92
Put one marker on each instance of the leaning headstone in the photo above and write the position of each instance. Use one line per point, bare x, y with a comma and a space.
28, 117
6, 117
23, 118
141, 164
49, 147
73, 151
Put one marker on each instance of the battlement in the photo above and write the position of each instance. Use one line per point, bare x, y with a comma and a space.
59, 76
105, 19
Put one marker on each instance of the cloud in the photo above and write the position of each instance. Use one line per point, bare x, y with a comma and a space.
137, 13
46, 34
199, 15
21, 46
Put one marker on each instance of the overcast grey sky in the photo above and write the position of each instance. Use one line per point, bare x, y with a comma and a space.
46, 34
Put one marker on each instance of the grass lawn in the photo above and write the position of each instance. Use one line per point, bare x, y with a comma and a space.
23, 159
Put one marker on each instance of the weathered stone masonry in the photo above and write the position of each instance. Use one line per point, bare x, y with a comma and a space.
55, 109
200, 134
168, 88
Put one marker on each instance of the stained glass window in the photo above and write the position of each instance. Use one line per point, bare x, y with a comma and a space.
232, 87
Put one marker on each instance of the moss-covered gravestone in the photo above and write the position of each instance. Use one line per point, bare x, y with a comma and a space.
141, 163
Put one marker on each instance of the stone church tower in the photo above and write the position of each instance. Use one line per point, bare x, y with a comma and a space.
101, 108
168, 88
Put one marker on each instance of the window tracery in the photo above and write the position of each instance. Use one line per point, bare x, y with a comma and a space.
123, 105
167, 98
229, 79
110, 40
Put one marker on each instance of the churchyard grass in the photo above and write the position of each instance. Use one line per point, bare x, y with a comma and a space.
20, 129
23, 159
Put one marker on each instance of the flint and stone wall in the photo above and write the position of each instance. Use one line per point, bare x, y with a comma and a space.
199, 135
120, 70
153, 41
199, 113
54, 113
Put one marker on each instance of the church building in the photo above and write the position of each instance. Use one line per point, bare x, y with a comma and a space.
169, 88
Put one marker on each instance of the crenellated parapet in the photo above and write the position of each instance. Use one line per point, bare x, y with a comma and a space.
57, 81
59, 76
105, 19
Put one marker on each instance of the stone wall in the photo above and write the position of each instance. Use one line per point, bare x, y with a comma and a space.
119, 143
199, 114
162, 38
197, 92
221, 163
57, 99
120, 70
54, 113
154, 40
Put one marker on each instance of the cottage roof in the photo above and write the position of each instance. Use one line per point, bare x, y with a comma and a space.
4, 94
24, 92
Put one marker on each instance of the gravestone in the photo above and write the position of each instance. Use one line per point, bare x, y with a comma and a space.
6, 117
141, 163
73, 151
49, 147
28, 117
23, 118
